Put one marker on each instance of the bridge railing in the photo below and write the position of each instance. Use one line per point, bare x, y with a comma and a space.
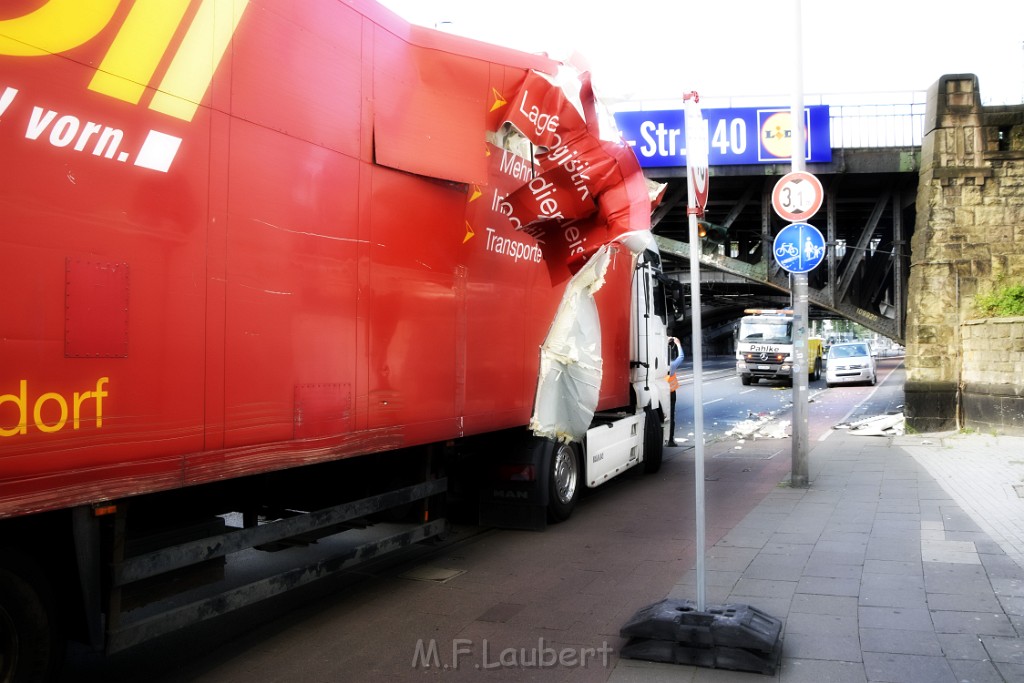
875, 119
895, 123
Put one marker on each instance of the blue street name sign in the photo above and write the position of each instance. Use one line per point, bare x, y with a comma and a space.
799, 247
749, 135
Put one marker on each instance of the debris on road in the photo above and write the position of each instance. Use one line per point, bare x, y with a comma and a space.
878, 425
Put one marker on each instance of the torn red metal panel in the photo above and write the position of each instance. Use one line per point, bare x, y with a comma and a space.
591, 189
434, 92
543, 113
421, 124
545, 198
588, 182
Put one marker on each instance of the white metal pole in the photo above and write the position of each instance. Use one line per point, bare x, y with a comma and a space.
799, 469
797, 110
698, 378
698, 402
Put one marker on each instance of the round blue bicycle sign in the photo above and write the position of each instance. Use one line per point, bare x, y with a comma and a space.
799, 247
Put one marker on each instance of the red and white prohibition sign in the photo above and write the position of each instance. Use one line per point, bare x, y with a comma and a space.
797, 196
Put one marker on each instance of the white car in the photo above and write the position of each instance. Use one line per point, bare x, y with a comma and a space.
850, 362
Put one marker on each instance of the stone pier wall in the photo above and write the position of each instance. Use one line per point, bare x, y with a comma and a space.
992, 386
968, 240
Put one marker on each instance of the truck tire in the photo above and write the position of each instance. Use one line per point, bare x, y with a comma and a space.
745, 380
563, 481
816, 374
654, 446
30, 642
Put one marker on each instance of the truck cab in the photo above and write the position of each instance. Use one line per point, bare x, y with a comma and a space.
764, 347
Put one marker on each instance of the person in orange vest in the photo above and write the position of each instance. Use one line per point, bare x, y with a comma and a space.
676, 358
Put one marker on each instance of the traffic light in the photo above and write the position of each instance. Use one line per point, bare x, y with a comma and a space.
710, 232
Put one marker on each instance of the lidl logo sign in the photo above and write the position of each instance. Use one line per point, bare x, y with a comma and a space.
735, 136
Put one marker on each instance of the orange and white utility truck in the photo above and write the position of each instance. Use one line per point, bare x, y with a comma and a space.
764, 347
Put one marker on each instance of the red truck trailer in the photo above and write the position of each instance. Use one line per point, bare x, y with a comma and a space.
276, 272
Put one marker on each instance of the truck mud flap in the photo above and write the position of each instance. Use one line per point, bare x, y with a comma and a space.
735, 637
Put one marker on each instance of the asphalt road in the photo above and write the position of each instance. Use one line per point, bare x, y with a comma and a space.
763, 410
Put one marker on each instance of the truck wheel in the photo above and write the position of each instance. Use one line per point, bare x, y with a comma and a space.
654, 447
745, 380
30, 645
816, 375
563, 482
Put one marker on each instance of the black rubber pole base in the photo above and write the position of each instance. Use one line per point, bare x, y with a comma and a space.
736, 637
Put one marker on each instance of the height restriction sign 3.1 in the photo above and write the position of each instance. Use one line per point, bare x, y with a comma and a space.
797, 196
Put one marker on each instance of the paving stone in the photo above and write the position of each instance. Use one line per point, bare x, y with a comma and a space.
822, 624
1011, 606
821, 646
894, 549
765, 588
947, 577
961, 646
1010, 672
1001, 566
746, 538
981, 623
1006, 650
895, 668
821, 567
892, 590
824, 556
854, 544
819, 585
892, 567
914, 619
976, 602
824, 604
880, 597
795, 670
977, 671
1009, 587
896, 641
729, 558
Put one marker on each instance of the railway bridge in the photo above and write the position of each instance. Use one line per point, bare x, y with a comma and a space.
923, 212
867, 157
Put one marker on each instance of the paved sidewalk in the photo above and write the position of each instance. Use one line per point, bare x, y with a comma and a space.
903, 562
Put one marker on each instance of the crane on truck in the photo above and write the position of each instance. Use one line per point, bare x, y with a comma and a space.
257, 303
764, 347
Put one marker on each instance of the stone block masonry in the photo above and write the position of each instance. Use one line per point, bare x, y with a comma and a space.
992, 375
968, 240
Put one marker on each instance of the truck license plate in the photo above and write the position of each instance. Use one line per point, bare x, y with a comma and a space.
764, 367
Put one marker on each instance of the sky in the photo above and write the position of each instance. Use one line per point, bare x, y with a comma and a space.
655, 50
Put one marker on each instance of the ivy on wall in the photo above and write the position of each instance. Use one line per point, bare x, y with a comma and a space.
1005, 302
